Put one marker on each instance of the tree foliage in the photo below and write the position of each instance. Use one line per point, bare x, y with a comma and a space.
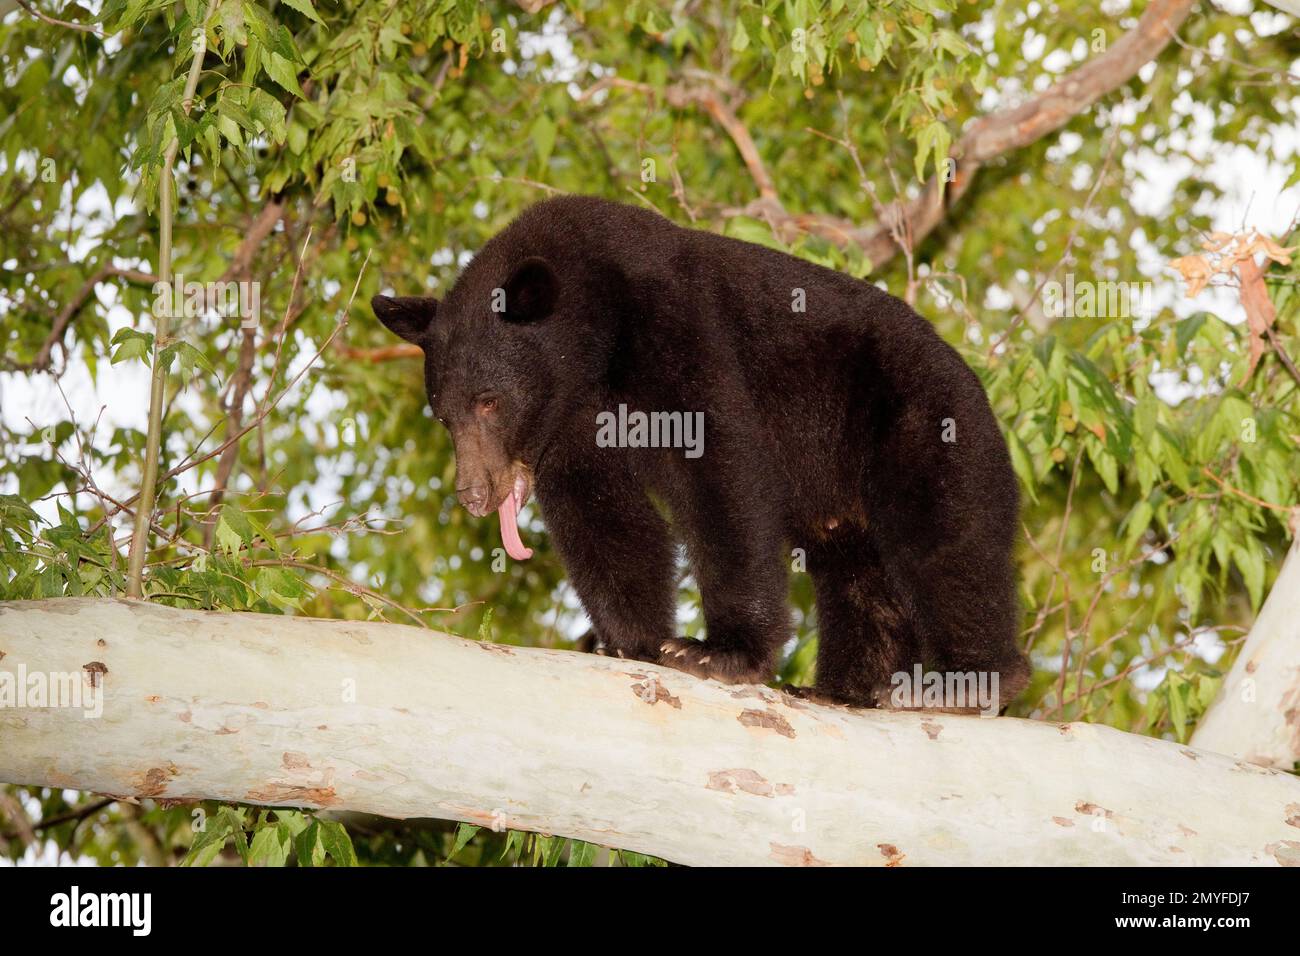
337, 148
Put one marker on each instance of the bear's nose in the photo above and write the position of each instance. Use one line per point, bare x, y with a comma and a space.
474, 498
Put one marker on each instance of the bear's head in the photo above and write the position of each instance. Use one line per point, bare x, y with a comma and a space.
496, 374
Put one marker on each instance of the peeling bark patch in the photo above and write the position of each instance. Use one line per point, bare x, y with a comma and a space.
495, 648
94, 671
1091, 809
1063, 821
1186, 830
931, 729
155, 780
893, 856
1293, 814
1190, 754
1286, 852
651, 692
794, 855
295, 761
186, 717
2, 655
293, 796
768, 720
747, 781
152, 699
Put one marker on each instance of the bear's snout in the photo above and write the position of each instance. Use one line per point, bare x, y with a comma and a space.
476, 498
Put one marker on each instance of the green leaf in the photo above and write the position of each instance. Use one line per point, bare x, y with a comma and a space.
1249, 558
131, 344
336, 843
464, 833
283, 72
233, 529
307, 846
514, 844
582, 854
739, 38
1177, 690
305, 8
270, 845
1022, 464
934, 137
268, 112
1139, 519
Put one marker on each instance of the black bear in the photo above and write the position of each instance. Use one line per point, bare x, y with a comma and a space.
838, 433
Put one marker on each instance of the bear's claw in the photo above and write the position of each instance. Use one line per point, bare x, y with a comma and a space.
696, 657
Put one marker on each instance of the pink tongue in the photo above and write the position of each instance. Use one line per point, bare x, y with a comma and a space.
510, 529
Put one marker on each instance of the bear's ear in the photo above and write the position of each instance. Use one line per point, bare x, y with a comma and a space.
531, 291
409, 316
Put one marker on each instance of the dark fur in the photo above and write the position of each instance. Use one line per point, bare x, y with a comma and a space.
822, 432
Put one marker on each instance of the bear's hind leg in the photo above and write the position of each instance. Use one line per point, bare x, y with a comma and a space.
970, 620
866, 628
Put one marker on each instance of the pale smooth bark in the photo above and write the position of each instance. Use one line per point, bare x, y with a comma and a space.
402, 722
1256, 716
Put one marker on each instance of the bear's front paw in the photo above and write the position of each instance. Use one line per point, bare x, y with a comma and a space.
728, 666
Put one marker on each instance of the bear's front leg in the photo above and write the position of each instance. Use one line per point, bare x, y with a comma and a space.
619, 555
731, 518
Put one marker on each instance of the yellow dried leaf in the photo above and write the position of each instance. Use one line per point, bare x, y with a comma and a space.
1196, 272
1279, 254
1217, 241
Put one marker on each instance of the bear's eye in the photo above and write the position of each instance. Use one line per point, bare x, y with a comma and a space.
487, 404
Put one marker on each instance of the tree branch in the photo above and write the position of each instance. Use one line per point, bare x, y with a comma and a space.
385, 353
73, 306
84, 28
399, 722
987, 138
241, 268
1256, 716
